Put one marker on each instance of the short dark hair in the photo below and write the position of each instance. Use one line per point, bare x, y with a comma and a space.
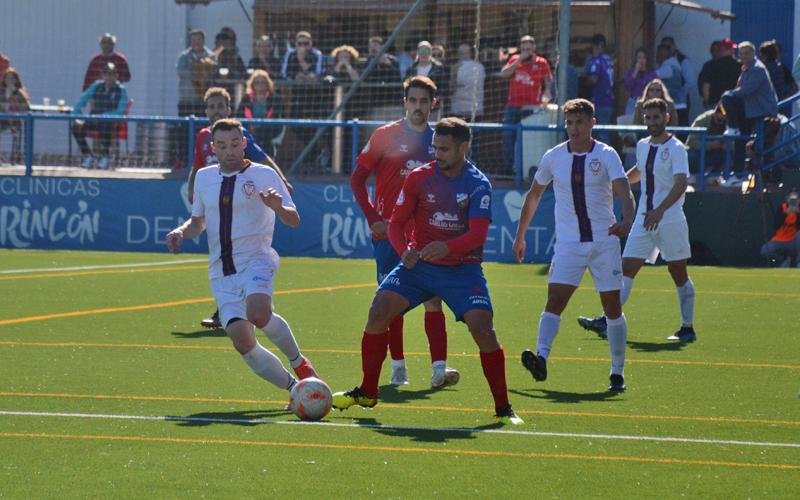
599, 39
217, 91
197, 32
456, 128
655, 103
419, 82
769, 50
581, 106
226, 124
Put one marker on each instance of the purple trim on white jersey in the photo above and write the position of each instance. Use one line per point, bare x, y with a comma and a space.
225, 223
651, 178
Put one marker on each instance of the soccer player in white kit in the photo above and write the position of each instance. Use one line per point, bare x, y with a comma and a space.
662, 167
586, 175
237, 202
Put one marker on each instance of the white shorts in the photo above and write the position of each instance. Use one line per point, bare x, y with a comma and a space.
601, 257
671, 239
231, 291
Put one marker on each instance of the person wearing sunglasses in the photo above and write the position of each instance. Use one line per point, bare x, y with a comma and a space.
303, 62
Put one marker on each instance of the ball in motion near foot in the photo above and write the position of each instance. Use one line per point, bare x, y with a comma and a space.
310, 399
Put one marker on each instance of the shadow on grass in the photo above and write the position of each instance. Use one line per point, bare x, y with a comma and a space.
566, 397
242, 418
421, 434
391, 394
206, 332
656, 346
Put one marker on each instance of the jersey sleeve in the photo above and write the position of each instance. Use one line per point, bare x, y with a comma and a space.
614, 165
275, 182
403, 211
199, 158
480, 201
253, 151
369, 157
544, 174
680, 160
198, 208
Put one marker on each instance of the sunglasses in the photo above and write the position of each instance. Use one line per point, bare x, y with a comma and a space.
303, 43
423, 52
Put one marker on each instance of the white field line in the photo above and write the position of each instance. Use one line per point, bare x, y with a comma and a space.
108, 266
509, 432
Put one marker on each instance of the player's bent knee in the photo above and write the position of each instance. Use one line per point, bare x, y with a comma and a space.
259, 318
433, 305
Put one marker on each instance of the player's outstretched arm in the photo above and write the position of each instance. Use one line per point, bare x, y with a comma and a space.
622, 190
287, 215
189, 229
529, 206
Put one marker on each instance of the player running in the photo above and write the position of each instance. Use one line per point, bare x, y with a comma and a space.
449, 202
586, 175
660, 226
392, 152
237, 202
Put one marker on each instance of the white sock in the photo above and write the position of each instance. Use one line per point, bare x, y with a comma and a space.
548, 329
617, 337
627, 285
441, 365
280, 334
398, 363
686, 302
267, 366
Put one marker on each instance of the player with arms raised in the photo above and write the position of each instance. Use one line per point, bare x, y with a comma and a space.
662, 166
449, 202
586, 175
392, 152
237, 202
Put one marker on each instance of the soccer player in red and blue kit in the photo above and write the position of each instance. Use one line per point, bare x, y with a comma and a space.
392, 152
449, 201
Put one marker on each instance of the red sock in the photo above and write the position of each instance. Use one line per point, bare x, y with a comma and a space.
373, 352
436, 331
396, 338
494, 369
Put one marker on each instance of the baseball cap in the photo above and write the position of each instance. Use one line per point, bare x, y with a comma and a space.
727, 44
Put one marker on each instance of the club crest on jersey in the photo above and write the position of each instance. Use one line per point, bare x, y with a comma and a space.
462, 199
249, 189
226, 200
665, 155
594, 166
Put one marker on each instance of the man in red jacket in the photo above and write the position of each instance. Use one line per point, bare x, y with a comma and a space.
107, 55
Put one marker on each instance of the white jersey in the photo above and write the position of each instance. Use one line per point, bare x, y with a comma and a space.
582, 186
658, 164
238, 224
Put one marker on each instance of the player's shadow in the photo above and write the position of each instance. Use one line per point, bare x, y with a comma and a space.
656, 346
209, 332
418, 434
390, 394
566, 397
241, 418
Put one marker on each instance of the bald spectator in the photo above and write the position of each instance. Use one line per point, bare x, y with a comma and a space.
107, 55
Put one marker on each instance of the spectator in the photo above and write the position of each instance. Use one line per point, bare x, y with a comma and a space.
687, 78
784, 247
770, 56
751, 100
344, 60
107, 55
388, 68
437, 53
600, 77
787, 73
406, 58
104, 97
13, 99
468, 80
264, 58
655, 89
303, 63
426, 65
260, 101
196, 67
713, 120
719, 74
669, 71
5, 63
637, 78
530, 84
231, 71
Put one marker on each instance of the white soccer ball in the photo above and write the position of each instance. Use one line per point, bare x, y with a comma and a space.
311, 399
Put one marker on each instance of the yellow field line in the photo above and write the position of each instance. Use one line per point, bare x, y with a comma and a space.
421, 354
142, 307
394, 406
104, 271
420, 450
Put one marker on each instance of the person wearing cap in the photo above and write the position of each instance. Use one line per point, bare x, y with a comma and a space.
104, 97
718, 75
107, 55
785, 244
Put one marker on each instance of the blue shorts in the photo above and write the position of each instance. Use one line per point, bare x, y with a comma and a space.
462, 287
386, 258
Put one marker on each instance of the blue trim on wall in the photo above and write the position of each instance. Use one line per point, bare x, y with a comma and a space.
759, 20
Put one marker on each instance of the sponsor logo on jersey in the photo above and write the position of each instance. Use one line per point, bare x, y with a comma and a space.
485, 202
249, 189
445, 221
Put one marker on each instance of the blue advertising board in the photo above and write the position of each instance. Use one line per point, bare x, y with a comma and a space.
136, 215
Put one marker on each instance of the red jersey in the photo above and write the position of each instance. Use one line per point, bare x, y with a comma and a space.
525, 87
392, 152
442, 209
204, 155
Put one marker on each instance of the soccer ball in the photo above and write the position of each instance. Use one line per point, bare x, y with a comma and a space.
311, 399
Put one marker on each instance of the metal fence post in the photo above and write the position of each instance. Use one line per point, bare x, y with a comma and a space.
190, 148
354, 126
518, 159
702, 171
29, 143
